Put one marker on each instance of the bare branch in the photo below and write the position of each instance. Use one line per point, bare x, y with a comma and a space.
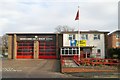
64, 28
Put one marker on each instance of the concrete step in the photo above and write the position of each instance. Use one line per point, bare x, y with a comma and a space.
70, 63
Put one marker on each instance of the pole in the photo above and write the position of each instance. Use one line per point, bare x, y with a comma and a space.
78, 38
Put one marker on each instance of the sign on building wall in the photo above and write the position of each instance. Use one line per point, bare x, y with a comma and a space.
73, 42
77, 43
81, 43
40, 38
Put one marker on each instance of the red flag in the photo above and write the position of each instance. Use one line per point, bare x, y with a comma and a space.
77, 15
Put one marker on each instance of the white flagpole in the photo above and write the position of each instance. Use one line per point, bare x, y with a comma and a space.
78, 38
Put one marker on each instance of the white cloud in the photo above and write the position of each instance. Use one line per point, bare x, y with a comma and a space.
44, 16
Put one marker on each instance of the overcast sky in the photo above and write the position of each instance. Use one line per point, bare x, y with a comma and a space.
45, 15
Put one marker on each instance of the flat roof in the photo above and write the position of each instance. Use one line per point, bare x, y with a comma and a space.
90, 31
11, 33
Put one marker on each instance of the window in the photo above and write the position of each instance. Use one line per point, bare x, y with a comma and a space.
62, 51
71, 36
69, 51
98, 51
117, 35
66, 51
84, 37
96, 36
117, 44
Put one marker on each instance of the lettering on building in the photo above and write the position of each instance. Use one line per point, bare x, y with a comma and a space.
41, 39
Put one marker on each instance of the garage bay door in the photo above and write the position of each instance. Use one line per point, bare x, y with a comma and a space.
47, 48
25, 49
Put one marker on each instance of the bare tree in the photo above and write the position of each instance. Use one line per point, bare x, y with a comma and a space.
58, 28
0, 44
63, 28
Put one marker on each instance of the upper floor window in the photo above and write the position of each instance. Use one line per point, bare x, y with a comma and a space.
84, 36
96, 36
117, 35
117, 44
71, 36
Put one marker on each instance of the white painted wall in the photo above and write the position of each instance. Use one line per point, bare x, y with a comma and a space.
66, 41
99, 44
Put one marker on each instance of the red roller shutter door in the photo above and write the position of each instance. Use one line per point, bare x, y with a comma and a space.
25, 49
47, 49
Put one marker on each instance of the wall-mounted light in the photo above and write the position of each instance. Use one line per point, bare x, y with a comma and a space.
36, 37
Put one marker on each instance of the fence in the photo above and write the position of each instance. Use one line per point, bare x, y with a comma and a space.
95, 61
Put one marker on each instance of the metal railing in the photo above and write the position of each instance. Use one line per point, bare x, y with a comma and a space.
96, 61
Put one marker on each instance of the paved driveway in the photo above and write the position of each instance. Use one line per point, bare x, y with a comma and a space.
42, 68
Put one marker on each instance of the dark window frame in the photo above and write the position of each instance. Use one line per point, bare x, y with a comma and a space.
96, 37
71, 36
84, 36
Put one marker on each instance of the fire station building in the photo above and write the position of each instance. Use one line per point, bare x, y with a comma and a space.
34, 45
53, 45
